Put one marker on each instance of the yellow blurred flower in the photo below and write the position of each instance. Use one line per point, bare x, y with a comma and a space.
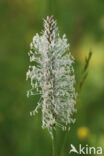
101, 22
83, 133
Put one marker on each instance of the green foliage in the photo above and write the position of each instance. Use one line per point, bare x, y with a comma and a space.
84, 73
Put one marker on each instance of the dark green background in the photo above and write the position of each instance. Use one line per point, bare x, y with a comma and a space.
83, 23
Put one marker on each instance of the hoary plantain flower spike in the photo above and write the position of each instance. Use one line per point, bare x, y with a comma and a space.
52, 77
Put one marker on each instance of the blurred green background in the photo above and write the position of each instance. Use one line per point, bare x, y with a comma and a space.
83, 23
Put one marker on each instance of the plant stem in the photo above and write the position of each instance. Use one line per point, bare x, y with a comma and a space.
54, 143
64, 142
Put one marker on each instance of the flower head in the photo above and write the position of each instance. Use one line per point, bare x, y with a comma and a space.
52, 76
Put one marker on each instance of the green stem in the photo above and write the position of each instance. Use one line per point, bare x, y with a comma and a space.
64, 142
54, 143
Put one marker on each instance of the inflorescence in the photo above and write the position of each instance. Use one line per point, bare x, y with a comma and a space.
52, 77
